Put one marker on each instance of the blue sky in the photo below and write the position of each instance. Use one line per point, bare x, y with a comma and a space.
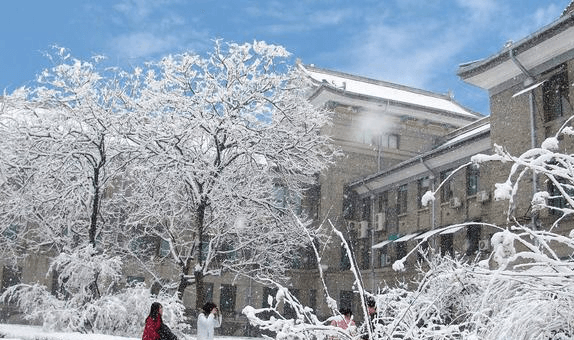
418, 43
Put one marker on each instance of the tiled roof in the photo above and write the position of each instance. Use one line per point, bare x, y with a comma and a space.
569, 8
385, 90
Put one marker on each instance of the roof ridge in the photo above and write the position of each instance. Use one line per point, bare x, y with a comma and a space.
381, 83
568, 9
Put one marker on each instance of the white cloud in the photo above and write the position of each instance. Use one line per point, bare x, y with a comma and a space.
141, 45
140, 10
290, 17
535, 21
409, 54
480, 11
148, 28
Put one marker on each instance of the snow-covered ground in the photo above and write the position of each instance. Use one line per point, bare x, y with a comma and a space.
22, 332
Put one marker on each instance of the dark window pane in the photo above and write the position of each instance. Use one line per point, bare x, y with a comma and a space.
227, 298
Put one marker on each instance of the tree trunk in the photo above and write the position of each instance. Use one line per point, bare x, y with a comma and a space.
184, 282
198, 272
199, 290
95, 207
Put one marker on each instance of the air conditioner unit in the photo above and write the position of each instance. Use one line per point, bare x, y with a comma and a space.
482, 196
386, 260
455, 202
353, 225
363, 229
380, 221
484, 244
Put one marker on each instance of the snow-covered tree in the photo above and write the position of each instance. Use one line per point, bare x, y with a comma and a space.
207, 158
61, 150
63, 154
231, 144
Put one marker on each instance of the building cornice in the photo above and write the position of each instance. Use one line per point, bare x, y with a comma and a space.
551, 42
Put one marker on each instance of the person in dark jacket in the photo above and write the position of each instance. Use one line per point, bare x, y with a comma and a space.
154, 328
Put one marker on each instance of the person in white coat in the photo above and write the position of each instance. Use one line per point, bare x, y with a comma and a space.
207, 321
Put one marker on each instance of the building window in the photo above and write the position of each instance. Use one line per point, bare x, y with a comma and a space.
314, 197
383, 257
555, 96
446, 245
393, 141
164, 249
447, 188
208, 291
401, 249
143, 245
58, 289
268, 292
288, 310
472, 239
285, 198
204, 248
402, 199
423, 250
227, 298
134, 280
11, 276
313, 299
383, 202
345, 262
366, 209
156, 288
346, 299
350, 203
11, 232
365, 257
556, 199
472, 175
423, 185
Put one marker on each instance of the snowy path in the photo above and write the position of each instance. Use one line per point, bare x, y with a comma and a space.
22, 332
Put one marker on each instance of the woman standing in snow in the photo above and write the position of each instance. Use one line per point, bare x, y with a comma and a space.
345, 320
207, 321
154, 328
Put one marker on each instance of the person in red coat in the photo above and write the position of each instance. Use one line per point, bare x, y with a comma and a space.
154, 328
153, 323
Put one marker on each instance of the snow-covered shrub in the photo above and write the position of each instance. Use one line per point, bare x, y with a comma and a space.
521, 291
89, 300
121, 314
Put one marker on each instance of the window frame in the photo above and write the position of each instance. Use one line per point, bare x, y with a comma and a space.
554, 92
421, 190
447, 189
227, 298
402, 198
472, 179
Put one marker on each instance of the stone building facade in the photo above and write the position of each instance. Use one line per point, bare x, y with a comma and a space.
381, 127
529, 83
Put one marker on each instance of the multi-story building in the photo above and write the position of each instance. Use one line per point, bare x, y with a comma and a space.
383, 128
529, 83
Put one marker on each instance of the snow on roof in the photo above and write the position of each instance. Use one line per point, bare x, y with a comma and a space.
384, 90
463, 136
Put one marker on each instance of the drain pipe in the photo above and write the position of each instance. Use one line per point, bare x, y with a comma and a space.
371, 250
529, 80
433, 207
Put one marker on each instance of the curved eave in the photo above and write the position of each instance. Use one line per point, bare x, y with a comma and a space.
440, 158
373, 103
553, 42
